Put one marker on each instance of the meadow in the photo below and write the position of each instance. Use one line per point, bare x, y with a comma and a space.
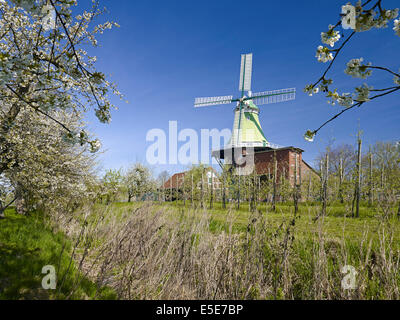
168, 250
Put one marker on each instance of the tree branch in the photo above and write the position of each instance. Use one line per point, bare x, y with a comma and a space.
37, 109
358, 104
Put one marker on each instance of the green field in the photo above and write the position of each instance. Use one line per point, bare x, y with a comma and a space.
26, 246
337, 224
171, 251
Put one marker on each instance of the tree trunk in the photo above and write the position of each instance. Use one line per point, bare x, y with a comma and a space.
341, 181
201, 197
325, 184
191, 192
223, 193
3, 208
253, 197
321, 170
274, 182
170, 189
20, 203
238, 194
370, 195
398, 211
296, 207
358, 178
211, 190
5, 127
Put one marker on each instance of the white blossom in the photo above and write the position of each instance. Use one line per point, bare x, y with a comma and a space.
367, 20
344, 100
391, 14
330, 37
309, 136
397, 27
323, 54
309, 89
356, 69
95, 146
362, 93
48, 152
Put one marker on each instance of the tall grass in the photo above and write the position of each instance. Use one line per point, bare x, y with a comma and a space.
27, 244
153, 252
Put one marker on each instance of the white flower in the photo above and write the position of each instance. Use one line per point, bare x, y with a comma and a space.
362, 93
345, 100
365, 22
396, 80
309, 89
357, 70
397, 27
391, 14
366, 19
309, 136
95, 146
330, 37
324, 54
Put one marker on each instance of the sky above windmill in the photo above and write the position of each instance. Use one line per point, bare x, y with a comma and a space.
166, 53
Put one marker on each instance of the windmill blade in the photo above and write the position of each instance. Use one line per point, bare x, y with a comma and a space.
212, 101
274, 96
246, 70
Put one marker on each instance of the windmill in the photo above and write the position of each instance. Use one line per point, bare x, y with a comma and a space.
247, 131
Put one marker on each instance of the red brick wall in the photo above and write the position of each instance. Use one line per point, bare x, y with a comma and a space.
264, 164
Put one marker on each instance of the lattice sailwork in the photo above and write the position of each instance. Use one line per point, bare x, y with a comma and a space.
247, 130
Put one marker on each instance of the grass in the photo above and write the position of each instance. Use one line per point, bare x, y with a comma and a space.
27, 244
167, 251
171, 251
337, 223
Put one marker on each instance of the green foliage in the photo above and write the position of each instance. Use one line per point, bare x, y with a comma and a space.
26, 246
112, 185
138, 181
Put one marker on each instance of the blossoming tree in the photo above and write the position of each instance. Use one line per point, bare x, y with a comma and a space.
359, 18
44, 68
47, 82
46, 170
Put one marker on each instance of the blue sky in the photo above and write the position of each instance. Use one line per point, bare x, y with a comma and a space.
166, 53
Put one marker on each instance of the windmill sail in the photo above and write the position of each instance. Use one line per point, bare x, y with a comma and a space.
211, 101
274, 96
246, 70
247, 130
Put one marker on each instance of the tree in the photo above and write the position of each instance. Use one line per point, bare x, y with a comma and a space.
138, 181
6, 193
196, 180
162, 178
112, 182
45, 68
342, 160
47, 171
360, 18
386, 172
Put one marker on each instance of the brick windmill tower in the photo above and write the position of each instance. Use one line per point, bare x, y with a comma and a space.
247, 132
